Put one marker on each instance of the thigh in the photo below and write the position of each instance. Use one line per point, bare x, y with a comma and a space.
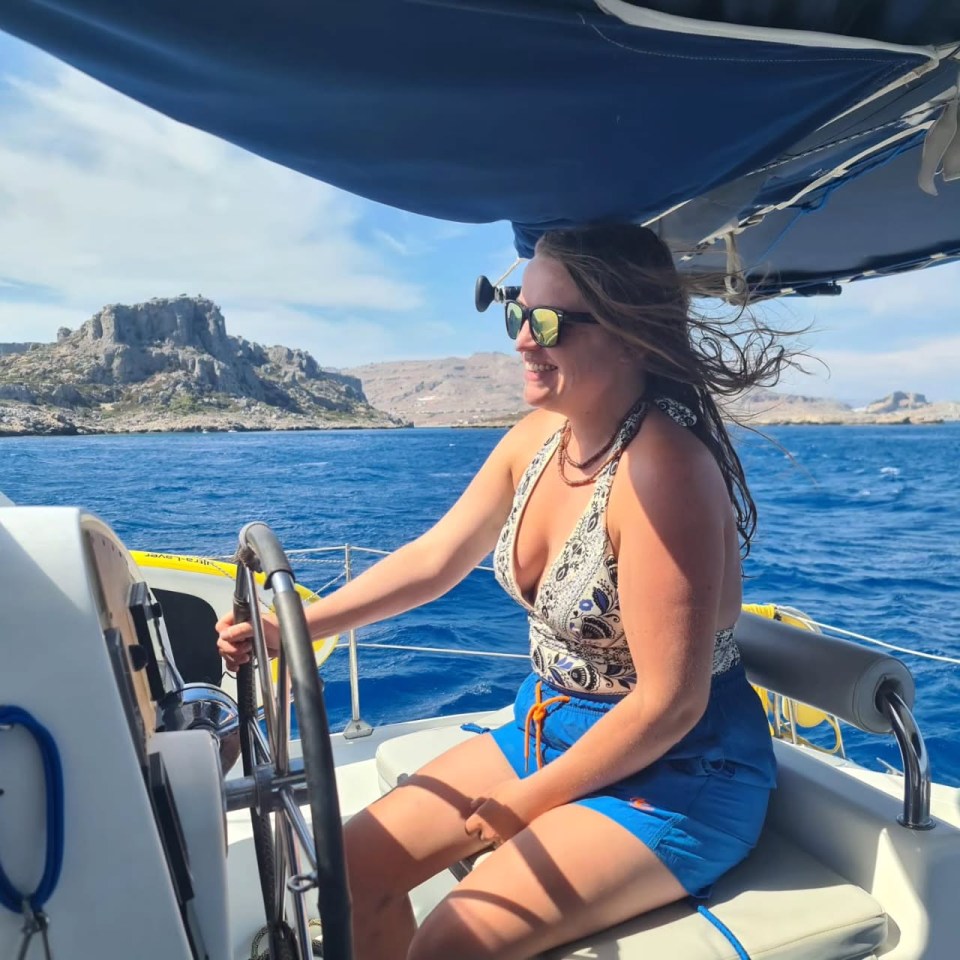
417, 829
572, 872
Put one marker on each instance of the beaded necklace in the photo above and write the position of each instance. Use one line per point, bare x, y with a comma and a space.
564, 458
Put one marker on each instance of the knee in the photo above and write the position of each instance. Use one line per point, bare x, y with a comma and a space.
445, 933
375, 879
434, 940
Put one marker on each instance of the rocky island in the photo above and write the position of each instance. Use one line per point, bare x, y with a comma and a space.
169, 365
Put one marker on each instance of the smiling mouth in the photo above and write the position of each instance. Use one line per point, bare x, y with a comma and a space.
538, 367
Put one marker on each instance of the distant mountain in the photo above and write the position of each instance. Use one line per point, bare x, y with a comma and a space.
769, 407
897, 402
483, 389
486, 390
167, 365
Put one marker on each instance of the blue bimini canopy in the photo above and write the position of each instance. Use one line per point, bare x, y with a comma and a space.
747, 135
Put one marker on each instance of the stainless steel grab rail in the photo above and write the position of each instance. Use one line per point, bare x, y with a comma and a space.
916, 762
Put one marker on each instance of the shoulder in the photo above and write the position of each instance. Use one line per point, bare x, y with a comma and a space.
668, 473
526, 438
664, 448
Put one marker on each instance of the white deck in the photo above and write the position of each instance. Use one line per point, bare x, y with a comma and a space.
833, 847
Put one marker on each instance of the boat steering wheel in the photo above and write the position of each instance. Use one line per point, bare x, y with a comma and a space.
266, 764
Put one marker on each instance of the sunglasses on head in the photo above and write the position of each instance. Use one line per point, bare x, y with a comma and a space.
545, 322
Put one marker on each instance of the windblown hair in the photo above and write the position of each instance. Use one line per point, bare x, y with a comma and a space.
629, 281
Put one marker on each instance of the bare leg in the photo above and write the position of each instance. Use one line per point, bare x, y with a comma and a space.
409, 835
570, 873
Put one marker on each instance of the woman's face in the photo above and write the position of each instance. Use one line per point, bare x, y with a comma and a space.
578, 372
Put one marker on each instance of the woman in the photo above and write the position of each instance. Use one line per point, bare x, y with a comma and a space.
639, 765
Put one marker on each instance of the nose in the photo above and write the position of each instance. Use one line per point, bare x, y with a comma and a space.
525, 342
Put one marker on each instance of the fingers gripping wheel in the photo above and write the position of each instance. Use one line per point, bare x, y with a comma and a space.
281, 849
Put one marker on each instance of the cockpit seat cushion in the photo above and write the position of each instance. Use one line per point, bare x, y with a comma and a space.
403, 755
781, 903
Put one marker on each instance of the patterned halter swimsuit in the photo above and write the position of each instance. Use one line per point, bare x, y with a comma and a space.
577, 641
701, 805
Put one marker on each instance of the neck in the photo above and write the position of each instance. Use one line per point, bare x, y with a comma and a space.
591, 426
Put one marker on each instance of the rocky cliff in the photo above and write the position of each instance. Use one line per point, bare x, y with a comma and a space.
169, 364
486, 390
8, 348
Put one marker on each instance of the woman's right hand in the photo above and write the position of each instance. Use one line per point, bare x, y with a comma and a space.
235, 641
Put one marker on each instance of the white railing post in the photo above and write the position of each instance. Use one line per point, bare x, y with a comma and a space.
357, 727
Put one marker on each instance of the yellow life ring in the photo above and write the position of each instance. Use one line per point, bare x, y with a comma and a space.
209, 566
189, 564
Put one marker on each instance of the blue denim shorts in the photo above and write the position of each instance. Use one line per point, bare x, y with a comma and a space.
701, 806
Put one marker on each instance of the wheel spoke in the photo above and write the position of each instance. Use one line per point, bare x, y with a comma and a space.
301, 926
261, 747
292, 813
281, 874
281, 749
267, 696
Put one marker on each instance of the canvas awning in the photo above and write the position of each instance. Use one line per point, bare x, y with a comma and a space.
788, 143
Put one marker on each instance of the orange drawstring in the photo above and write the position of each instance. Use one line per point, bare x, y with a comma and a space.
537, 714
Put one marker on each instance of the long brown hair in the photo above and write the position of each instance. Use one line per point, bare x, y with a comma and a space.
627, 276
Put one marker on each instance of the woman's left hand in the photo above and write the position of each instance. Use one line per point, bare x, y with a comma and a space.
506, 810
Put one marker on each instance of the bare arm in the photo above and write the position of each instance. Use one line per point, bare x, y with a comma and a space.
420, 571
670, 570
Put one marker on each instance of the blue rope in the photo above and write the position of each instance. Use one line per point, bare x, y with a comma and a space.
725, 930
12, 898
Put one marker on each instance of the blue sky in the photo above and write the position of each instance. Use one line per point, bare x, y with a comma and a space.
103, 201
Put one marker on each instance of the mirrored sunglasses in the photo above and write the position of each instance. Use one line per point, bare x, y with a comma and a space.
545, 322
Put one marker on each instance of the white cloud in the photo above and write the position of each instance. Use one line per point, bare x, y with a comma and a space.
906, 295
344, 339
36, 321
883, 334
340, 341
103, 200
396, 244
895, 311
501, 261
930, 368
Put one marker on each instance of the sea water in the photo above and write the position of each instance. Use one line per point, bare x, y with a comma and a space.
859, 527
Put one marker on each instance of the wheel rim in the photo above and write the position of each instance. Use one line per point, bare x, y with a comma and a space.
293, 857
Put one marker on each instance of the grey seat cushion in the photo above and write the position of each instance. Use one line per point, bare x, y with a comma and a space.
781, 903
406, 754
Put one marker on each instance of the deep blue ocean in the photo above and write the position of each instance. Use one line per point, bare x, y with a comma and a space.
859, 527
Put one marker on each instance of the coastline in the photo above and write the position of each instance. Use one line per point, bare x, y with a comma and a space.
244, 415
36, 421
143, 430
157, 431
